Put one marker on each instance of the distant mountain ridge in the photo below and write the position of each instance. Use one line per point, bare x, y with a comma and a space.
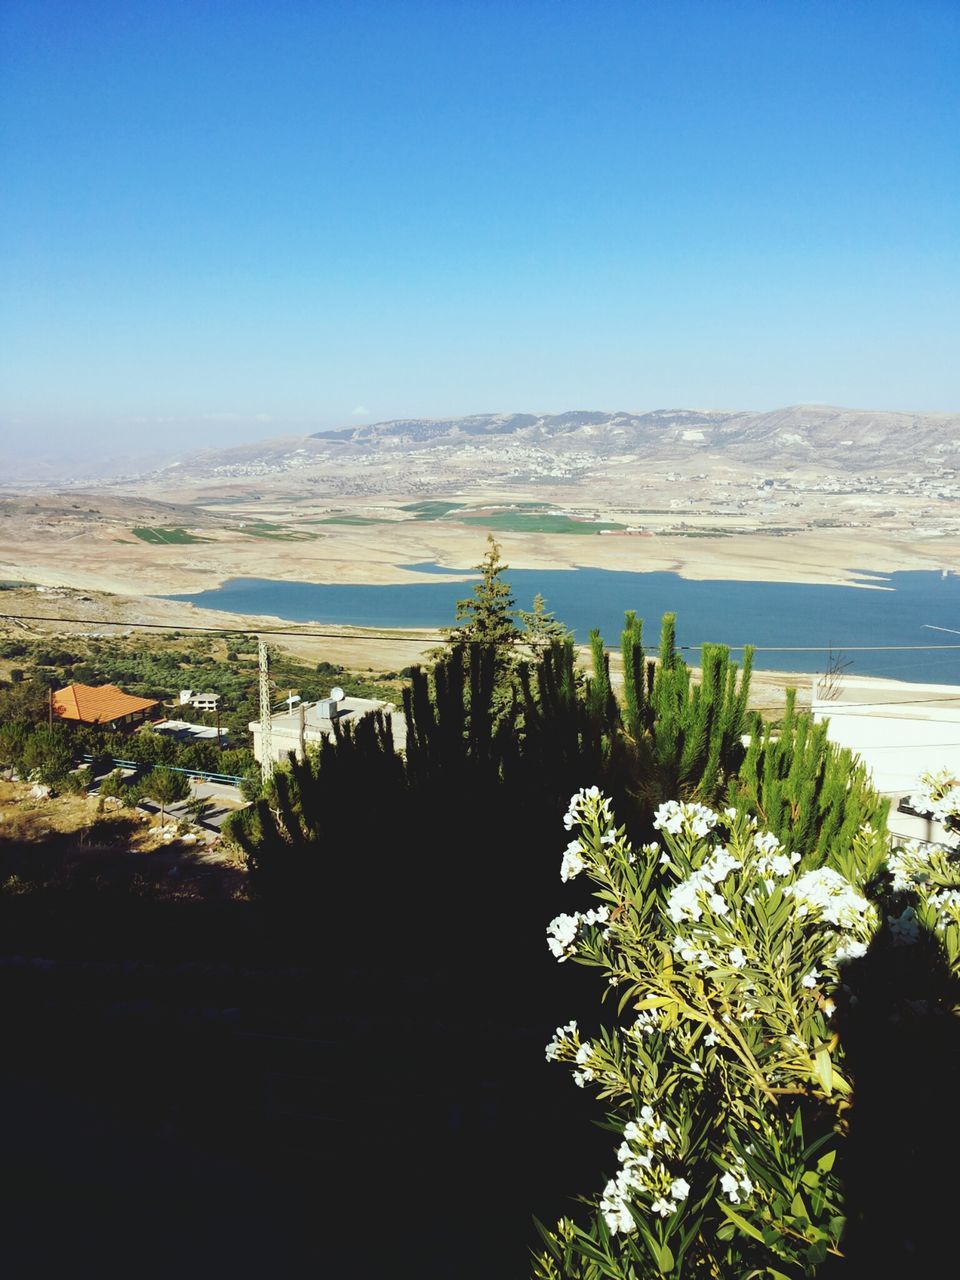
570, 444
865, 437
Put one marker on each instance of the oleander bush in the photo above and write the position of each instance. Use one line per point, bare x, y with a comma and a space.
732, 964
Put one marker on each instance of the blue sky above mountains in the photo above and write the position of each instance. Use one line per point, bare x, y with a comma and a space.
224, 221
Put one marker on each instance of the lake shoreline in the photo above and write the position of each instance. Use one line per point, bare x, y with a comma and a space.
895, 632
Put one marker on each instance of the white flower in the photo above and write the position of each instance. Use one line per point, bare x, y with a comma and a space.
850, 950
832, 897
580, 1078
646, 1022
710, 1039
583, 1053
811, 979
904, 928
669, 817
663, 1207
562, 935
679, 1188
562, 1036
572, 862
737, 958
731, 1188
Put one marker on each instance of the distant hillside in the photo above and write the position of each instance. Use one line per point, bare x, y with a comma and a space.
848, 437
407, 453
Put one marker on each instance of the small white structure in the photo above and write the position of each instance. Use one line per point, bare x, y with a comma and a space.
185, 731
900, 731
311, 722
199, 701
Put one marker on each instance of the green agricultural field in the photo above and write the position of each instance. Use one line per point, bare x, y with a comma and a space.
431, 510
275, 532
529, 522
165, 537
345, 519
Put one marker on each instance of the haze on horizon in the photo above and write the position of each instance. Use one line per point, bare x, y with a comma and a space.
224, 223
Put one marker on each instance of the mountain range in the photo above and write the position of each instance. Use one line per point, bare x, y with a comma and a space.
800, 432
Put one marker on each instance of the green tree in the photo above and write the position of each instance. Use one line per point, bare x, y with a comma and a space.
488, 616
541, 628
47, 756
167, 787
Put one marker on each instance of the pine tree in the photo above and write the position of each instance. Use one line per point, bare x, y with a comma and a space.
488, 616
541, 628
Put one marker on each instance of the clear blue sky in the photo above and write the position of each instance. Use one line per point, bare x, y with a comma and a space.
222, 221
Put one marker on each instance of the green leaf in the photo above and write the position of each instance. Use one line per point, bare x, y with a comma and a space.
825, 1163
747, 1227
666, 1259
824, 1070
798, 1208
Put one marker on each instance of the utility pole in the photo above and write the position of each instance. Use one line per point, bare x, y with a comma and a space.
219, 743
266, 726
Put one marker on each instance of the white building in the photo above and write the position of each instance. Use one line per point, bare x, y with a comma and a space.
900, 731
185, 731
311, 722
199, 701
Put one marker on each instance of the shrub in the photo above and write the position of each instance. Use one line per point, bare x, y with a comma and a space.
726, 1081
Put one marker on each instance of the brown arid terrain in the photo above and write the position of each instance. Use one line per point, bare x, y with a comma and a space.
806, 494
80, 837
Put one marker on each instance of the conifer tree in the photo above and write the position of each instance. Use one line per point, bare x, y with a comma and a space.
488, 616
540, 627
812, 794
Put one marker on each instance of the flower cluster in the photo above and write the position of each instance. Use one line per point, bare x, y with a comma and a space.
689, 898
827, 894
587, 803
938, 795
674, 817
562, 1038
564, 930
647, 1144
932, 872
736, 1184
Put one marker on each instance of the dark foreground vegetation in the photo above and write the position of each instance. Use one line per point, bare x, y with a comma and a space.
337, 1068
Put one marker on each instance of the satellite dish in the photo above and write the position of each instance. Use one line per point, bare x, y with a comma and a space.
336, 694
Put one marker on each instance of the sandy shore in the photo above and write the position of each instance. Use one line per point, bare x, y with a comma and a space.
376, 555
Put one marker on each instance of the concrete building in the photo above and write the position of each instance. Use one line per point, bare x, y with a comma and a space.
199, 701
184, 731
900, 731
311, 722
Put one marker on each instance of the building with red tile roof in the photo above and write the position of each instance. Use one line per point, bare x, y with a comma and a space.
104, 704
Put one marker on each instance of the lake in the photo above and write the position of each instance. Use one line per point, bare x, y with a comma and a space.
775, 616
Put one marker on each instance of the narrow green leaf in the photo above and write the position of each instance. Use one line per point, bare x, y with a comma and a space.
742, 1223
824, 1070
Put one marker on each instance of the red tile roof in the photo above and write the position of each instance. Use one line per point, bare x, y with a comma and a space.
100, 705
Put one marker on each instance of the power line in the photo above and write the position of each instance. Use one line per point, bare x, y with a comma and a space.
426, 639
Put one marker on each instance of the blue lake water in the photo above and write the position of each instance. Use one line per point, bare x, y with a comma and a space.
777, 617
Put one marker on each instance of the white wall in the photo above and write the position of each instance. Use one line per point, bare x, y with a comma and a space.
898, 742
